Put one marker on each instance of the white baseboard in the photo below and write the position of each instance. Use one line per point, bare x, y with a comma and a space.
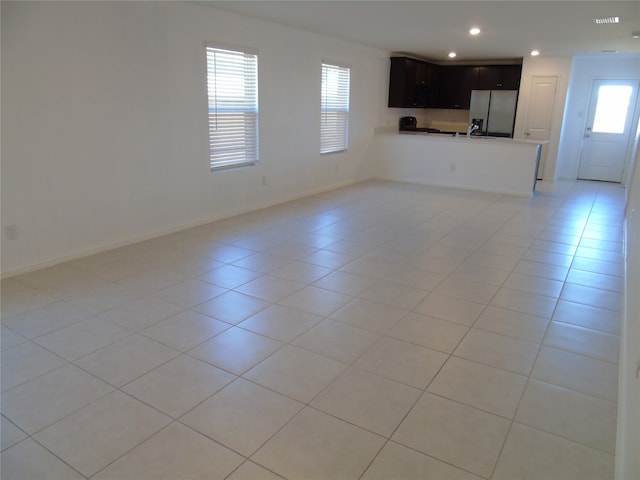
159, 233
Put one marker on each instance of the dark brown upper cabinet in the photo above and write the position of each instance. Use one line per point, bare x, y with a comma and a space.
456, 83
412, 83
499, 77
419, 84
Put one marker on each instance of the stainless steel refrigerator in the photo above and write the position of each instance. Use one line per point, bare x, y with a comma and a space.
494, 111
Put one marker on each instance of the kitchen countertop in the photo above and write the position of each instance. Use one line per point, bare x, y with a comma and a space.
491, 164
475, 138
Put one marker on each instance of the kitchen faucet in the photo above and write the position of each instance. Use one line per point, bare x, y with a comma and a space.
472, 128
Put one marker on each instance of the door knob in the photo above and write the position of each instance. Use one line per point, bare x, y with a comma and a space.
587, 135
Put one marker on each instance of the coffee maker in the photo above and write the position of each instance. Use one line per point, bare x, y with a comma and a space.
408, 123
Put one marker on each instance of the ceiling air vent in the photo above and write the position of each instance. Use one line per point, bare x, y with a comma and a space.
606, 20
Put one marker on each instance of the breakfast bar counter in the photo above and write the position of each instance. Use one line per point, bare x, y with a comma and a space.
491, 164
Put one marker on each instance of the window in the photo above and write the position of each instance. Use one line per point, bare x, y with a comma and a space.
611, 109
232, 92
334, 109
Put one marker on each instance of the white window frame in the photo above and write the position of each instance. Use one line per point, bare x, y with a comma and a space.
334, 107
232, 106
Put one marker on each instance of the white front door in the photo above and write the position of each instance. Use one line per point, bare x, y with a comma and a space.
608, 130
542, 98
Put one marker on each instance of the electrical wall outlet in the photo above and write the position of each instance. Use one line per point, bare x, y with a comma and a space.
10, 232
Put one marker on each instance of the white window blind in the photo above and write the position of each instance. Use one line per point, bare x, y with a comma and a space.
334, 109
232, 91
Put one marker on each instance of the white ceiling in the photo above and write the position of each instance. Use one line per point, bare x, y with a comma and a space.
431, 29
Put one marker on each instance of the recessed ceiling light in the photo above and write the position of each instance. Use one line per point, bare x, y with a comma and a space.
635, 34
606, 20
452, 54
535, 53
474, 31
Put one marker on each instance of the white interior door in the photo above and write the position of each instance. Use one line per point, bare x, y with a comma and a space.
608, 130
542, 98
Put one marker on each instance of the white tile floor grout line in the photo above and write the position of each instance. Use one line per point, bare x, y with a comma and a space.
429, 291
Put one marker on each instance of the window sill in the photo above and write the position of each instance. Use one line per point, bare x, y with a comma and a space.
233, 166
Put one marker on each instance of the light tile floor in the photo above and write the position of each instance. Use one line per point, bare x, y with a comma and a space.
382, 330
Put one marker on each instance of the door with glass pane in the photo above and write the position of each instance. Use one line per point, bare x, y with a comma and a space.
608, 130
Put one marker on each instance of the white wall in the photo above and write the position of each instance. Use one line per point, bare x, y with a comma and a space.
628, 433
584, 71
104, 136
544, 66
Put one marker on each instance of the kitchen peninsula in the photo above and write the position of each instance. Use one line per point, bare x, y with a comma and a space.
491, 164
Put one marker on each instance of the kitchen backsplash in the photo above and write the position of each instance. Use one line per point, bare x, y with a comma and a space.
442, 119
429, 117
